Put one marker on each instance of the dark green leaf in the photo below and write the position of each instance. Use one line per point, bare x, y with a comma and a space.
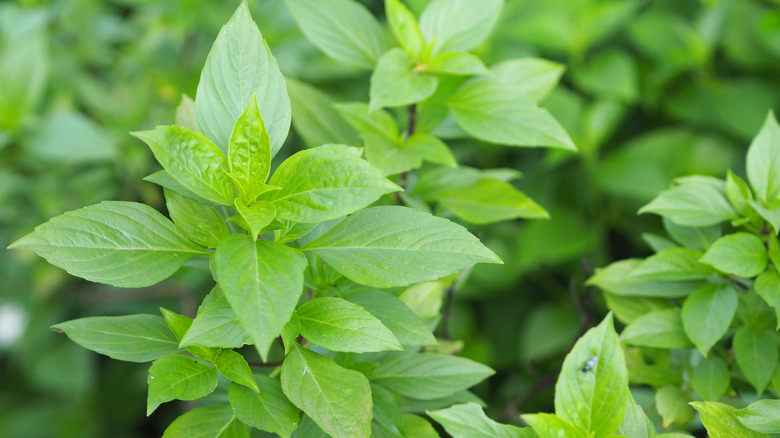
756, 354
178, 377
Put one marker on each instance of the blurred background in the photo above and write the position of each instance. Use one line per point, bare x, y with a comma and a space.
653, 90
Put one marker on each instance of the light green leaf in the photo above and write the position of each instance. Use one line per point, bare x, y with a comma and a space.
233, 366
533, 77
200, 222
216, 325
493, 112
707, 314
268, 410
24, 65
741, 254
552, 426
711, 379
658, 329
133, 338
698, 238
260, 278
673, 264
767, 286
610, 74
69, 139
178, 377
397, 82
654, 375
339, 325
290, 332
388, 155
617, 279
459, 25
456, 63
772, 216
240, 67
468, 420
416, 426
391, 246
179, 324
491, 200
124, 244
344, 29
721, 420
257, 215
427, 376
191, 159
763, 161
672, 404
404, 27
407, 327
592, 388
164, 179
693, 202
430, 148
738, 192
337, 399
314, 118
208, 422
249, 153
186, 115
365, 121
635, 423
761, 416
756, 354
325, 183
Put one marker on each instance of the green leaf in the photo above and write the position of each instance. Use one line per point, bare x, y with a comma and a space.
711, 379
468, 420
635, 423
592, 388
387, 412
673, 264
654, 375
344, 29
388, 155
193, 160
337, 399
756, 354
338, 325
314, 118
658, 329
179, 324
427, 376
257, 215
233, 366
365, 121
164, 179
133, 338
404, 27
698, 238
767, 286
694, 202
672, 404
240, 67
617, 279
178, 377
397, 82
216, 325
186, 115
124, 244
707, 314
493, 112
325, 183
208, 422
551, 426
396, 246
458, 25
491, 200
290, 332
533, 77
260, 278
761, 416
741, 254
24, 66
418, 427
763, 161
200, 222
772, 216
738, 192
610, 74
268, 409
430, 148
407, 327
721, 420
249, 153
456, 63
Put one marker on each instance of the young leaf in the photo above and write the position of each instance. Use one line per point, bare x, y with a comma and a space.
314, 118
761, 416
738, 192
239, 68
200, 222
216, 326
430, 148
338, 325
179, 324
404, 27
617, 279
635, 423
233, 366
721, 420
268, 409
344, 29
249, 153
531, 76
290, 332
365, 121
260, 278
767, 286
552, 426
388, 156
124, 244
407, 327
693, 202
456, 63
164, 179
591, 393
658, 329
493, 112
673, 264
337, 399
133, 338
396, 82
707, 314
756, 354
763, 161
325, 183
459, 25
178, 377
672, 404
396, 246
469, 420
491, 200
257, 215
208, 422
741, 254
192, 160
186, 115
711, 379
427, 376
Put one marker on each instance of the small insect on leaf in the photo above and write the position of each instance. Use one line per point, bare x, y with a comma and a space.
590, 364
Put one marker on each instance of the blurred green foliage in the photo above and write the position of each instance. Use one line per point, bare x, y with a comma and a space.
653, 90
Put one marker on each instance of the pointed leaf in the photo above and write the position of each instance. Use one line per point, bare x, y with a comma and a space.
741, 254
711, 379
365, 121
658, 329
763, 161
396, 82
767, 286
707, 314
531, 76
761, 416
491, 200
552, 426
314, 119
756, 354
617, 279
257, 215
249, 153
404, 26
267, 410
469, 420
200, 222
407, 327
208, 422
456, 63
673, 264
720, 420
233, 366
388, 155
635, 423
694, 202
216, 326
430, 148
459, 25
672, 404
178, 377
